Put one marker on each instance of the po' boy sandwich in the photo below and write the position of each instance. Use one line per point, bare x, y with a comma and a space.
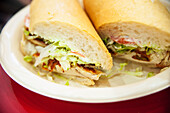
59, 37
137, 30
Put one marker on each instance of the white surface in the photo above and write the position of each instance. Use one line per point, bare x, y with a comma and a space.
22, 73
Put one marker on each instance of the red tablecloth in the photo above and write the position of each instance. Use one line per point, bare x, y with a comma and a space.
16, 99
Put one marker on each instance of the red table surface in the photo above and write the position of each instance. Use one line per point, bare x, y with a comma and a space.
16, 99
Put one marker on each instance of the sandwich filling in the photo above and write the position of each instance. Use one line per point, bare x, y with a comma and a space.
125, 46
56, 56
57, 51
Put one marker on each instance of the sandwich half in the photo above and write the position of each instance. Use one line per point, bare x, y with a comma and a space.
58, 37
137, 30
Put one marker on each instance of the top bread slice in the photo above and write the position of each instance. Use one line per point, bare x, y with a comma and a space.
66, 21
148, 21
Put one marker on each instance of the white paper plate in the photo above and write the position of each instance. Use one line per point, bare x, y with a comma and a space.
20, 71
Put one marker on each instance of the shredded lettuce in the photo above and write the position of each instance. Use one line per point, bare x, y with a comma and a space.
120, 48
72, 59
63, 78
152, 49
138, 69
30, 37
124, 48
122, 65
138, 74
57, 50
65, 64
28, 58
67, 83
63, 54
45, 66
26, 32
105, 40
38, 73
150, 74
114, 71
45, 60
61, 45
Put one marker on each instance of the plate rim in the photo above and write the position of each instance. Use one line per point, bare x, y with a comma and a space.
66, 98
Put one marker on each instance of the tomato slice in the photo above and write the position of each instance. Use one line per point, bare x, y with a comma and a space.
122, 40
36, 54
27, 21
78, 54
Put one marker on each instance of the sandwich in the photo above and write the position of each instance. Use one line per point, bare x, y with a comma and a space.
59, 38
137, 30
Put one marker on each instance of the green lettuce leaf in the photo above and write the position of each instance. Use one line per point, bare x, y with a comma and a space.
28, 58
150, 74
122, 65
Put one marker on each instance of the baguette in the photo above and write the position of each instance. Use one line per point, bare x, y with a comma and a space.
59, 38
139, 23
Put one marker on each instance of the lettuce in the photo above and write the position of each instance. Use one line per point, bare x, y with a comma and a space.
65, 64
122, 65
152, 49
28, 58
150, 74
120, 70
45, 66
115, 71
138, 74
31, 37
121, 48
105, 40
124, 48
26, 32
28, 35
61, 45
57, 50
63, 78
63, 54
67, 83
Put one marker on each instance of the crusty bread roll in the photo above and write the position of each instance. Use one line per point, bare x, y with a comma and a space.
59, 40
65, 20
146, 21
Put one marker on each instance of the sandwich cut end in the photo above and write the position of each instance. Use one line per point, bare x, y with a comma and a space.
77, 40
138, 30
63, 40
137, 42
